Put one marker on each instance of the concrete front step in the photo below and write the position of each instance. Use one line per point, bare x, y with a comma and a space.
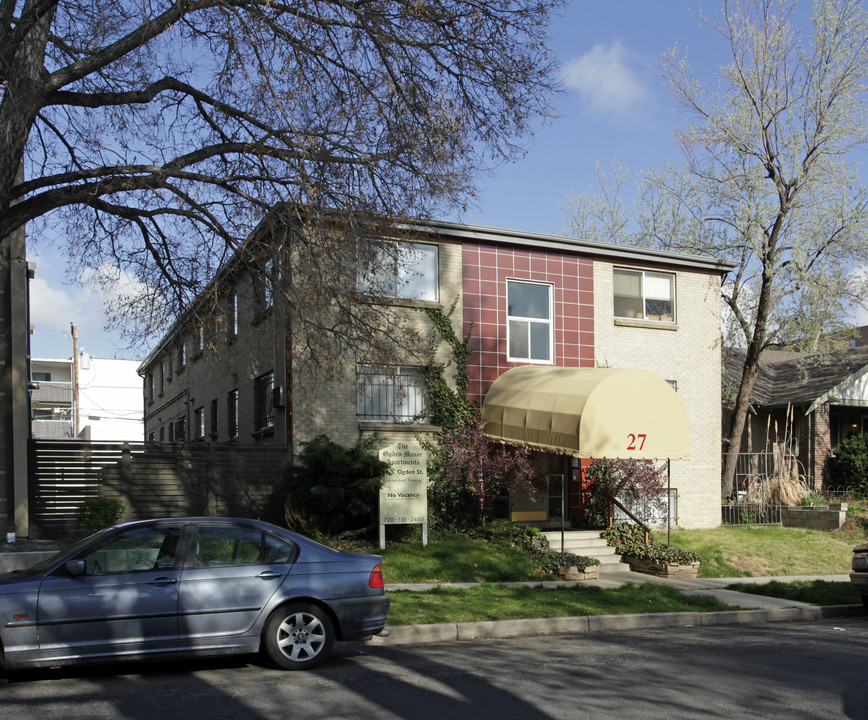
590, 544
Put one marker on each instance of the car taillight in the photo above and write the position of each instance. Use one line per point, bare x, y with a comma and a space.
376, 579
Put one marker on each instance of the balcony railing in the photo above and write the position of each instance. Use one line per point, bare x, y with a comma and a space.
53, 393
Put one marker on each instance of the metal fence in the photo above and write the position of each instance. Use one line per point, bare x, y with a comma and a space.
759, 481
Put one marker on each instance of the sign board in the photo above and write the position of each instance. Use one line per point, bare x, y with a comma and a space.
404, 495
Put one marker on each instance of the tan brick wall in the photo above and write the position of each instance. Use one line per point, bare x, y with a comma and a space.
333, 409
687, 352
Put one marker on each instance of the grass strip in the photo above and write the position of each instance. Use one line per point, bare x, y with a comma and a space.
497, 602
457, 559
815, 592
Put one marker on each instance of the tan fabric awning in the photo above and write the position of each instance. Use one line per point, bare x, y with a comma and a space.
588, 412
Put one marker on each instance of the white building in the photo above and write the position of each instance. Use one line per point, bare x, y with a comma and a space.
106, 406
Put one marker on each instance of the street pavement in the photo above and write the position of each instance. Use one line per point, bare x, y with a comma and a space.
753, 609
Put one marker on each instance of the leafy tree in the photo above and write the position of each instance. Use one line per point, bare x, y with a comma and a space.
848, 465
334, 489
638, 484
470, 470
770, 178
160, 133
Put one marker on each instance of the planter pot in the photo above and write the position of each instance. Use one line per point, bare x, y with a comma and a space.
662, 569
573, 573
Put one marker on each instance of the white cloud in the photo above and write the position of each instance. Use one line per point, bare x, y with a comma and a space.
604, 79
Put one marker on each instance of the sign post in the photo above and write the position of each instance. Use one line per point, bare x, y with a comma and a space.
404, 495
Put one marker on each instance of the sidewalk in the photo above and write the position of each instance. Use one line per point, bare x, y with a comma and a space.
755, 609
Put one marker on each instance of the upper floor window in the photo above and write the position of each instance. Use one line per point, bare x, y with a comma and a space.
263, 401
530, 326
393, 394
182, 355
644, 294
232, 315
408, 271
37, 376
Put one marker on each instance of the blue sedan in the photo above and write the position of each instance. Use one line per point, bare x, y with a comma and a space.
190, 586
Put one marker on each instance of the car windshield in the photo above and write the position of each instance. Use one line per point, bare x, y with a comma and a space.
66, 553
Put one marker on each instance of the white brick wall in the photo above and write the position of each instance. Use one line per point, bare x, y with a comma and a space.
687, 352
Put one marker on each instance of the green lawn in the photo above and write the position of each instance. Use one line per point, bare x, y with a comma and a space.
456, 559
759, 551
496, 602
816, 592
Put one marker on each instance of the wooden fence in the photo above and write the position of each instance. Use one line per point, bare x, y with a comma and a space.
153, 480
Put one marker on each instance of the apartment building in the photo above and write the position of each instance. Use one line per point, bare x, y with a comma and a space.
530, 300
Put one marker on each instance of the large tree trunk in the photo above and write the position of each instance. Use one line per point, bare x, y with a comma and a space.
742, 406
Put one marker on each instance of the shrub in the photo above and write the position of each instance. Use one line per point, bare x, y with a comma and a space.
630, 540
335, 489
532, 541
848, 465
814, 499
97, 513
639, 484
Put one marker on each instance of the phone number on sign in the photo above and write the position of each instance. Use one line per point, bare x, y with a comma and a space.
391, 520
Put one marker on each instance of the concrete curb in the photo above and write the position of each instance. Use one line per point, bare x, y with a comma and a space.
450, 632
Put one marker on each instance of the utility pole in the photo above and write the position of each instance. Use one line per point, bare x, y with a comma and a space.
74, 378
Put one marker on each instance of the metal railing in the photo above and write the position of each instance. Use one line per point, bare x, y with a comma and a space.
762, 481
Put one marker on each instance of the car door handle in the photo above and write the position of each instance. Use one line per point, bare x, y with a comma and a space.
269, 574
163, 581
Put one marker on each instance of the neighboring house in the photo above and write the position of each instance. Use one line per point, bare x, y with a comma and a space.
803, 403
530, 299
106, 405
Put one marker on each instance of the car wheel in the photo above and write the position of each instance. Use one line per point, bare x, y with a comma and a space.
298, 636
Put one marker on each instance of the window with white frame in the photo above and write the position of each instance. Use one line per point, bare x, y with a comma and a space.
644, 295
530, 325
395, 394
407, 271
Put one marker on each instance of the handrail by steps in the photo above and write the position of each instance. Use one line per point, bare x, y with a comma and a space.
610, 516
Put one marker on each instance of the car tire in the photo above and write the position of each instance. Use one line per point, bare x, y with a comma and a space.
298, 636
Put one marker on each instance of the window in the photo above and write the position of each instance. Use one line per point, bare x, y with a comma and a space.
232, 316
219, 545
180, 430
232, 414
268, 286
199, 423
263, 408
529, 322
149, 388
37, 376
394, 394
645, 295
408, 272
214, 418
147, 548
162, 434
162, 377
182, 355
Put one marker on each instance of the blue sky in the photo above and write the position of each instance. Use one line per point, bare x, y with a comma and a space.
614, 107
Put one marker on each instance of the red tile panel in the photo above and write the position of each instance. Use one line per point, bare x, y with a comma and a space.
485, 306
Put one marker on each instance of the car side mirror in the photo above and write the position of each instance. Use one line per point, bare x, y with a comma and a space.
76, 567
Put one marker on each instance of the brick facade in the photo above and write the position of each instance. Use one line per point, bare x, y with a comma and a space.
486, 268
474, 265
